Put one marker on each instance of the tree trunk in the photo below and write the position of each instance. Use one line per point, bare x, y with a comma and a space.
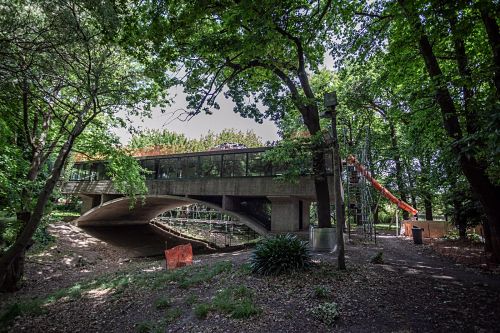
339, 203
321, 189
488, 247
487, 192
12, 261
311, 120
399, 168
371, 165
411, 182
493, 32
428, 207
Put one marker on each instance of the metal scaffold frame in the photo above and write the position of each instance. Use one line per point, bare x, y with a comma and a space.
359, 199
209, 224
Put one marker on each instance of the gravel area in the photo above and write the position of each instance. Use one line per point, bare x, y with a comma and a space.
416, 289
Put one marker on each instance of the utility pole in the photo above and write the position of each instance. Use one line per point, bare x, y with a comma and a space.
330, 101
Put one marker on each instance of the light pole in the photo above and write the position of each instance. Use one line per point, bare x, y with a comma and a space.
330, 102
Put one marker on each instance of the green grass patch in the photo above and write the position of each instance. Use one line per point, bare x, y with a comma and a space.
162, 303
145, 326
245, 269
172, 315
206, 274
190, 300
150, 327
321, 292
237, 302
201, 310
16, 309
115, 284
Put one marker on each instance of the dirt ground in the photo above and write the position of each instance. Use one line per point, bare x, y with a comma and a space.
416, 289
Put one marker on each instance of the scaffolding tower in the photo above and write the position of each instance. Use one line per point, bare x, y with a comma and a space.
359, 196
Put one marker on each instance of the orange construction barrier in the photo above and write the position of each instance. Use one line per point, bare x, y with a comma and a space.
179, 256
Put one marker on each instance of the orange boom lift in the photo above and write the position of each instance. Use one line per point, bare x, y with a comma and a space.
385, 192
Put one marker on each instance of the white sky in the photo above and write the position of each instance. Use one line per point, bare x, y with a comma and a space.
202, 123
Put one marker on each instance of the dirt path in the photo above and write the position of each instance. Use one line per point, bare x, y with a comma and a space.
415, 290
418, 290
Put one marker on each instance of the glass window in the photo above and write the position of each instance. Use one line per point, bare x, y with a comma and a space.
149, 165
85, 171
189, 167
92, 171
168, 168
101, 171
210, 166
234, 165
75, 172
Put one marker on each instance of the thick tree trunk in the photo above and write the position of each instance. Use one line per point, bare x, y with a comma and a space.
321, 189
462, 227
311, 120
493, 32
411, 182
488, 247
310, 115
399, 168
12, 261
428, 208
487, 192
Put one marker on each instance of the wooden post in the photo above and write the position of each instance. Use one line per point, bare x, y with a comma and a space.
397, 223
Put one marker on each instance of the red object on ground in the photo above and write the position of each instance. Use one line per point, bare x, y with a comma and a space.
179, 256
385, 192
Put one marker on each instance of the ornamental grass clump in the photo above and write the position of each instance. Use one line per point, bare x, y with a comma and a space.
280, 254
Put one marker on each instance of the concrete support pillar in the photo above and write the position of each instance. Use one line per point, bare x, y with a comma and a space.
306, 211
89, 202
285, 213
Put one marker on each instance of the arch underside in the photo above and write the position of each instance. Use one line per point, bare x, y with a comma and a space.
121, 212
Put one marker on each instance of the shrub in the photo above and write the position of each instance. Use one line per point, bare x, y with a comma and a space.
201, 311
321, 292
280, 254
327, 313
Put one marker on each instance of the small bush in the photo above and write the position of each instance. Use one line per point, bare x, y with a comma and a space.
321, 292
378, 258
327, 313
201, 311
280, 254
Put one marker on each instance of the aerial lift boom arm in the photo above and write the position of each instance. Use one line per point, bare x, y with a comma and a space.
385, 192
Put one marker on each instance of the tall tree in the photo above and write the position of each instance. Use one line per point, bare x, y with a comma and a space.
473, 165
253, 52
63, 77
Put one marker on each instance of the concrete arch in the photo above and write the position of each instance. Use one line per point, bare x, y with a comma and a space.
117, 211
